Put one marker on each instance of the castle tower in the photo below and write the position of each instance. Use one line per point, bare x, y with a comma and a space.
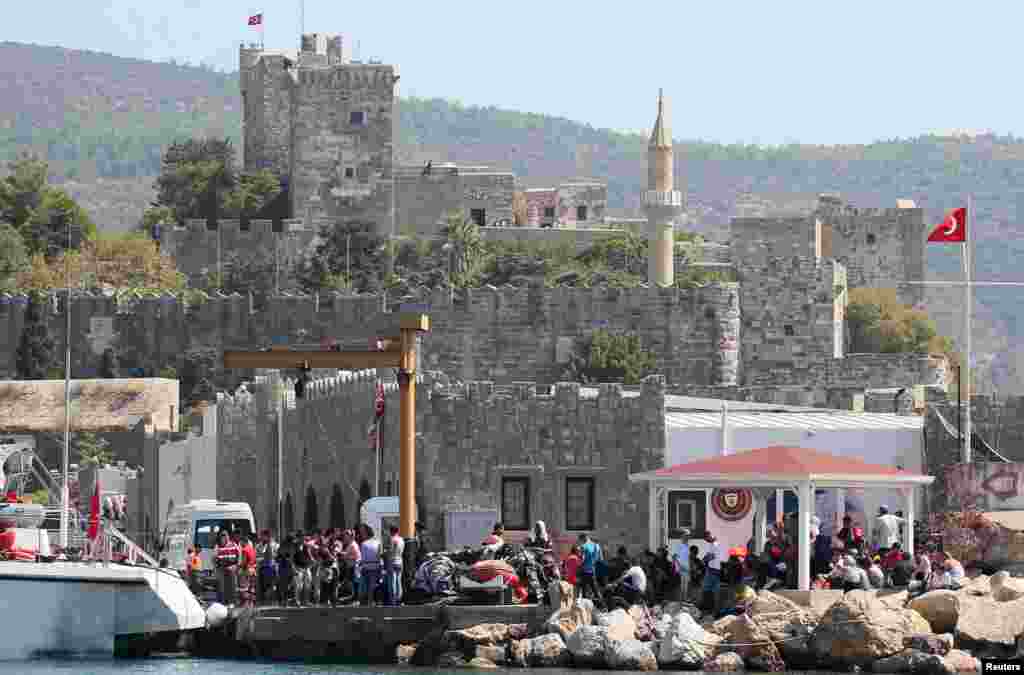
661, 201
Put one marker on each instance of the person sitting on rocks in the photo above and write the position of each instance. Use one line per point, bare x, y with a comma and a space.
847, 536
902, 571
875, 574
851, 576
774, 568
631, 586
744, 599
953, 573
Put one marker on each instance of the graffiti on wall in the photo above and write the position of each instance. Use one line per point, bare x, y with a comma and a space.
991, 486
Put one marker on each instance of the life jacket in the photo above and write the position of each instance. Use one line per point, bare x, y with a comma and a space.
249, 556
7, 539
228, 555
195, 563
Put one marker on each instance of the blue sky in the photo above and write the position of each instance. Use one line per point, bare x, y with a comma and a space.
735, 71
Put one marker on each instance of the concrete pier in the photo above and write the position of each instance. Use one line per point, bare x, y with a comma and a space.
367, 634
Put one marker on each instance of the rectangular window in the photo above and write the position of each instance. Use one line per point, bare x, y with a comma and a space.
581, 213
579, 504
478, 216
549, 211
357, 118
790, 332
515, 503
686, 514
350, 172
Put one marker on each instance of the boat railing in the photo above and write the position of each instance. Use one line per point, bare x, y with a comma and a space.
112, 538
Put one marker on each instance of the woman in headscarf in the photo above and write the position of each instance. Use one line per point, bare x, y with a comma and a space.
540, 538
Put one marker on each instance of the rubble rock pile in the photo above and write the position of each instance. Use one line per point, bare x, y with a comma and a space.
939, 632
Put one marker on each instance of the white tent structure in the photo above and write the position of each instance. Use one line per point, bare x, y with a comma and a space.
762, 471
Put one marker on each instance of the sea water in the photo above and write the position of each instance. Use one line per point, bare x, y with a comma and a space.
190, 666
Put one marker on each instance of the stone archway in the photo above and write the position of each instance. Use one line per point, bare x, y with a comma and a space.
337, 516
289, 515
311, 514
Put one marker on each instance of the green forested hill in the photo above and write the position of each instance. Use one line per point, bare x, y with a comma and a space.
103, 121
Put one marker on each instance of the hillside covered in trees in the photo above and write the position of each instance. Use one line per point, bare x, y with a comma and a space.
103, 122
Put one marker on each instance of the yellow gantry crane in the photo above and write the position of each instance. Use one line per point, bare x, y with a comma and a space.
395, 338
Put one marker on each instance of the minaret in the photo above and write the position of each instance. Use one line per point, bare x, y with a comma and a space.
662, 202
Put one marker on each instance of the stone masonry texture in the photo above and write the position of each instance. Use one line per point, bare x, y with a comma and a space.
470, 436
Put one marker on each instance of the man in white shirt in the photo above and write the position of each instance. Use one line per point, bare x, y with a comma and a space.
393, 575
713, 573
634, 584
887, 529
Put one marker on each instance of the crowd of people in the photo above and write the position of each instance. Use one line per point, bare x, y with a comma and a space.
335, 566
356, 565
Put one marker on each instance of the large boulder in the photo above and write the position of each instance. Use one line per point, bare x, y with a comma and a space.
775, 612
546, 651
493, 653
564, 622
727, 662
794, 644
745, 636
619, 623
987, 627
587, 646
930, 644
859, 629
629, 655
684, 643
958, 661
940, 608
482, 634
910, 661
481, 663
1005, 588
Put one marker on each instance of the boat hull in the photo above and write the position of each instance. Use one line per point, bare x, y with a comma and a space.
80, 608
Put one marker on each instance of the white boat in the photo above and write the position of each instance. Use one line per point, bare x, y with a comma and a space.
77, 608
85, 607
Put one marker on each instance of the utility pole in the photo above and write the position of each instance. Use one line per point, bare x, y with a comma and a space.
396, 336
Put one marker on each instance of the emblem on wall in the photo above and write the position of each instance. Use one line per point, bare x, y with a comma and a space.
731, 504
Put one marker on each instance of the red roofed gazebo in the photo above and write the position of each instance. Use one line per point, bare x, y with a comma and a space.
799, 469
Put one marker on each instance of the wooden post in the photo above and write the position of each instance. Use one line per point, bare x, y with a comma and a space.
407, 432
396, 336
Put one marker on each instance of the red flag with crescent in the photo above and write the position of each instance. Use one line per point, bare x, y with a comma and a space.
94, 513
952, 230
256, 20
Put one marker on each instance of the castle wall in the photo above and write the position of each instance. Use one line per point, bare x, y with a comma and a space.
793, 311
271, 122
879, 247
341, 166
581, 239
491, 192
471, 437
195, 248
501, 334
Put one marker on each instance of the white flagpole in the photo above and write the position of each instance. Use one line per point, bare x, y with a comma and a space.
965, 369
725, 428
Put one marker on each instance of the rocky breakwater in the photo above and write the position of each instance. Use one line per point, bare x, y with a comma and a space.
861, 631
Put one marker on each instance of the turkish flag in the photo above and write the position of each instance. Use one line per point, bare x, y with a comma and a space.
952, 230
378, 400
256, 20
94, 513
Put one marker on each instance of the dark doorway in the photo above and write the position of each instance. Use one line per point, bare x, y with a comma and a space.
337, 507
311, 516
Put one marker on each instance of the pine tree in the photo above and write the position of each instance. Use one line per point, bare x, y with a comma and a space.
36, 348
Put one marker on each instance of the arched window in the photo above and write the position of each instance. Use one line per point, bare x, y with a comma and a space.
310, 517
337, 507
289, 514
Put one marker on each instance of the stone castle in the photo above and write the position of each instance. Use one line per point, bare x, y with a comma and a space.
497, 412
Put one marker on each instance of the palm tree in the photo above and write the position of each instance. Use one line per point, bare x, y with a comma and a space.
467, 247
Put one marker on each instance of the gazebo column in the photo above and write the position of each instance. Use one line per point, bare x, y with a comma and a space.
840, 508
780, 509
761, 496
654, 519
908, 512
806, 499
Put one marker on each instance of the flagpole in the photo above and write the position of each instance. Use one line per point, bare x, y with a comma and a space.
968, 300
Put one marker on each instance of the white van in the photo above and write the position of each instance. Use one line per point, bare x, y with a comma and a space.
198, 524
380, 513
